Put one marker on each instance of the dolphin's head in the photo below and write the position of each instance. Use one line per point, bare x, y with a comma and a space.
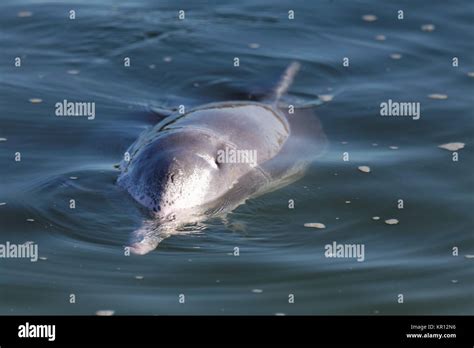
173, 175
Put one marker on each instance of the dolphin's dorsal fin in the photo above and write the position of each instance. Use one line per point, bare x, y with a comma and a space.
285, 82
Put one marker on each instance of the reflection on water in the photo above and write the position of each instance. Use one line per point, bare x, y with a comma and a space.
190, 62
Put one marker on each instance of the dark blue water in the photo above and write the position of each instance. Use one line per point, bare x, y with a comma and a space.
190, 62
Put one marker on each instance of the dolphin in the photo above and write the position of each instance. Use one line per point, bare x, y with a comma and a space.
208, 161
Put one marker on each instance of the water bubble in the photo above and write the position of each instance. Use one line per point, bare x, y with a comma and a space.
315, 225
364, 169
396, 56
391, 221
23, 14
326, 97
428, 27
369, 18
438, 96
452, 146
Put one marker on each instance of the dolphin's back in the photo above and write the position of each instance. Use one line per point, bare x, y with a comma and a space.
243, 126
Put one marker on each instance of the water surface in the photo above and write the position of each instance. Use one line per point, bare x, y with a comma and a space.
190, 62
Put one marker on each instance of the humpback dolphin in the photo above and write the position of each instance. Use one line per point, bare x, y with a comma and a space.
208, 161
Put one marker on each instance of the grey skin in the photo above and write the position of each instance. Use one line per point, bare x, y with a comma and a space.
175, 168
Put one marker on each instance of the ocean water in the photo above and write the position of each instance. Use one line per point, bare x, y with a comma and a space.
191, 62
